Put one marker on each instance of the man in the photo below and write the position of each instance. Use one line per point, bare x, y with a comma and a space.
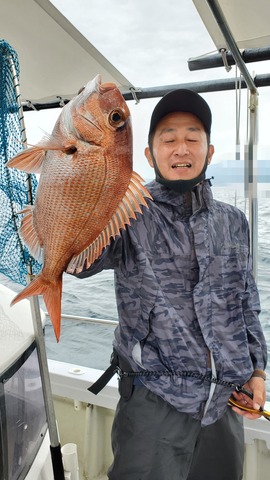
188, 313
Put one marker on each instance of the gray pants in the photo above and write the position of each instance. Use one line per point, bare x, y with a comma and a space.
152, 441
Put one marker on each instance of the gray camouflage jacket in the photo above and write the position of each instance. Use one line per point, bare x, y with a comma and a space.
186, 298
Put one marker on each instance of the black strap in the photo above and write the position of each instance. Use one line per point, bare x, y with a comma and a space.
106, 376
122, 368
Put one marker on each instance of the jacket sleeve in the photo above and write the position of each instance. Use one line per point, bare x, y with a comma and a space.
251, 308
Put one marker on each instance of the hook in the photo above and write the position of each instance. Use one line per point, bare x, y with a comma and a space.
61, 101
223, 52
30, 105
133, 93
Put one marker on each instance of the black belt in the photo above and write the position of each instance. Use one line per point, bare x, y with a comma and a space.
106, 376
118, 365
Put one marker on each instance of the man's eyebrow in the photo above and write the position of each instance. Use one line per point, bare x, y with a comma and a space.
194, 129
170, 129
167, 130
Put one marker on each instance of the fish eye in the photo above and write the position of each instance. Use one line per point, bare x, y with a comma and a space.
116, 118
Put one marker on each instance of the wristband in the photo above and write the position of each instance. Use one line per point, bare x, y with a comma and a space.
259, 373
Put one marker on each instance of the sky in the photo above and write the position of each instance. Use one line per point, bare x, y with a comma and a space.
149, 42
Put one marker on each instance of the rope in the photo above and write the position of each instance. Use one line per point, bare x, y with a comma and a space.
166, 373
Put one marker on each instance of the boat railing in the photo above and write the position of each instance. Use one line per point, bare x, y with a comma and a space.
78, 318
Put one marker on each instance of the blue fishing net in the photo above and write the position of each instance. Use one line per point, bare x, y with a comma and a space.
15, 260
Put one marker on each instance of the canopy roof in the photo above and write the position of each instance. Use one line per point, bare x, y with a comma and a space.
253, 32
56, 60
41, 35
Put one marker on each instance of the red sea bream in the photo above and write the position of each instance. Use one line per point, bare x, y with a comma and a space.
87, 189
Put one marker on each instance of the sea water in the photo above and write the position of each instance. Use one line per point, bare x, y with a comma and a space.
90, 345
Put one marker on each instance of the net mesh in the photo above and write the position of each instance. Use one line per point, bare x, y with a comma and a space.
15, 260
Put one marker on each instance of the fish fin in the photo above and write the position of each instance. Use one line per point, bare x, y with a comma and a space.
29, 234
52, 297
127, 207
29, 160
52, 294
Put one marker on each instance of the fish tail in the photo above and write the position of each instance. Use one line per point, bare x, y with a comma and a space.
52, 294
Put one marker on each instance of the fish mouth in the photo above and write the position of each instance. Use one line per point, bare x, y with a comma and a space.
181, 165
96, 85
106, 87
103, 87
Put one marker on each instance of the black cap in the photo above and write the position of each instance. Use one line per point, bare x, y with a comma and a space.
182, 100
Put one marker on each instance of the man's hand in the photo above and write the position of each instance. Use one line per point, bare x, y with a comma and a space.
256, 386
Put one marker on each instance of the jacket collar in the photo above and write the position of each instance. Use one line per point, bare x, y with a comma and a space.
202, 197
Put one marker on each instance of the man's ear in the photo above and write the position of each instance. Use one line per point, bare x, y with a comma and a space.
211, 151
148, 155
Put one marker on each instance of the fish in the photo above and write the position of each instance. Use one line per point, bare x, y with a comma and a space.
87, 190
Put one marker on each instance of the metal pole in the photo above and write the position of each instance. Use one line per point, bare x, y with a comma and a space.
205, 86
262, 80
55, 447
215, 60
226, 32
251, 176
250, 154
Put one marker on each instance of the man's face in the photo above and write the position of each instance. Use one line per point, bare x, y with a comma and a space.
180, 147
